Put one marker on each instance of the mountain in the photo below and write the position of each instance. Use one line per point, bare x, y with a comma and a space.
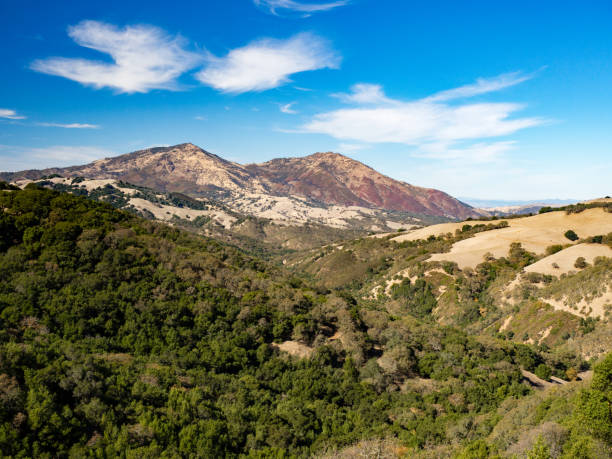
181, 168
335, 179
502, 208
327, 178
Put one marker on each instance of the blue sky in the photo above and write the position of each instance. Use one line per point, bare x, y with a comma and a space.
496, 100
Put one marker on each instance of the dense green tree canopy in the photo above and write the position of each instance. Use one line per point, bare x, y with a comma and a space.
119, 336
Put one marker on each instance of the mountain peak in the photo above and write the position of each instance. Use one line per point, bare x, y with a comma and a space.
187, 147
334, 178
327, 154
341, 162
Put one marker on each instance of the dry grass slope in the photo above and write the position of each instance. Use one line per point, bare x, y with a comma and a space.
535, 233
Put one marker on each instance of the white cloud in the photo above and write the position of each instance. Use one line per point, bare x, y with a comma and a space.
14, 158
419, 122
301, 7
365, 93
10, 114
71, 125
145, 58
435, 128
286, 108
267, 63
200, 118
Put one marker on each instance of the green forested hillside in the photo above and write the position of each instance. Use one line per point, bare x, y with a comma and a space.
123, 337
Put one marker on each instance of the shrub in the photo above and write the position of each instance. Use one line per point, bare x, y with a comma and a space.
580, 263
551, 249
534, 278
449, 267
540, 450
587, 325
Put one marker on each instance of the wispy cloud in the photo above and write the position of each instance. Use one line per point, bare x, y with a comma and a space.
10, 114
286, 108
351, 147
15, 158
437, 129
70, 125
480, 152
267, 63
273, 6
145, 58
481, 86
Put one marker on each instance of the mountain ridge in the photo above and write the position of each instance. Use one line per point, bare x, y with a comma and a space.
330, 178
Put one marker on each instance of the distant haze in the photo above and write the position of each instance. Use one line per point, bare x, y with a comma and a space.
484, 203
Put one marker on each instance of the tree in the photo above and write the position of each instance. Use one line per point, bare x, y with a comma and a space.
543, 371
9, 234
602, 376
477, 450
571, 235
594, 410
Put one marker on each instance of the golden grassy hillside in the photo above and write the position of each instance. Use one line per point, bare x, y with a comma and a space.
535, 233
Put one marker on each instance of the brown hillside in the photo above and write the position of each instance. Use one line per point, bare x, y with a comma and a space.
330, 178
336, 179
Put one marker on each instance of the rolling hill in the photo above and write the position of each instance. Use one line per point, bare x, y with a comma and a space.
521, 278
123, 335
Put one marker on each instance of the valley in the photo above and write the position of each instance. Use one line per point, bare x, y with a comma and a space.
403, 311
